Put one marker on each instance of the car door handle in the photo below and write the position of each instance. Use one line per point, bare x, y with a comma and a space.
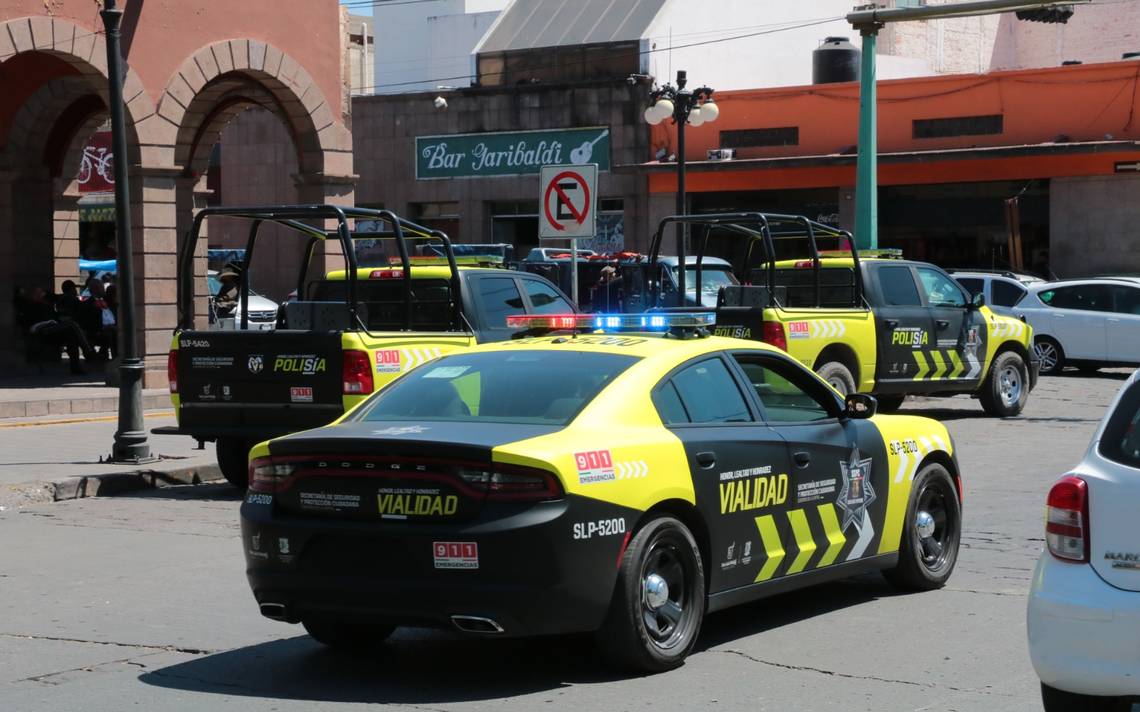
891, 323
706, 459
802, 459
942, 323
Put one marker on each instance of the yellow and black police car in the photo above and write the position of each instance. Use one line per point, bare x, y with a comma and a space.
600, 479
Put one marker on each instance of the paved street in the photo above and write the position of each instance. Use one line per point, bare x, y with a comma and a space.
140, 601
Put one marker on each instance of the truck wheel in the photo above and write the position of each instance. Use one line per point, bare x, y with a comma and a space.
1055, 700
347, 636
889, 403
838, 376
931, 532
1051, 355
233, 459
1006, 388
659, 599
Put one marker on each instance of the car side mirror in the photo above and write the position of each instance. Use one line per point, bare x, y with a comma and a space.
977, 302
860, 406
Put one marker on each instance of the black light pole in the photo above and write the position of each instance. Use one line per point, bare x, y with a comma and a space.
130, 439
685, 106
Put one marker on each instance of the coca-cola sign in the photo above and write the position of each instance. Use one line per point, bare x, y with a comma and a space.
97, 168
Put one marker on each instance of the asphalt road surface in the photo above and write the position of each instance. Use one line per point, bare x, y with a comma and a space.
140, 602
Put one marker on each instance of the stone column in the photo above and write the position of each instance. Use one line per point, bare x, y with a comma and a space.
155, 236
192, 196
65, 232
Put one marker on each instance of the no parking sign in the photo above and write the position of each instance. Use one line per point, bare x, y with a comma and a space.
568, 198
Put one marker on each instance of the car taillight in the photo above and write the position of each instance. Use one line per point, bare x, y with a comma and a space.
1067, 520
267, 474
774, 335
513, 483
357, 373
172, 370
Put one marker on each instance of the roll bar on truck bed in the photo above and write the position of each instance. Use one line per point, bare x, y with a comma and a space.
293, 217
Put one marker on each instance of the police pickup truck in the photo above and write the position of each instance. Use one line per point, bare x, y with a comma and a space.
873, 323
350, 331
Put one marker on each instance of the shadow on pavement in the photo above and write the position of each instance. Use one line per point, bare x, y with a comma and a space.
214, 492
420, 667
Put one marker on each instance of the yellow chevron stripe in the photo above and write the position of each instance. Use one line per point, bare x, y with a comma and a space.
923, 367
835, 536
770, 538
804, 542
958, 365
939, 364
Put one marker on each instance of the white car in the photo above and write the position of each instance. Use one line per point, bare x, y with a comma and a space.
1087, 323
1002, 290
1084, 602
262, 311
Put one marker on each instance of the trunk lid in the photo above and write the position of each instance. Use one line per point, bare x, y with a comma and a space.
1114, 549
392, 471
272, 381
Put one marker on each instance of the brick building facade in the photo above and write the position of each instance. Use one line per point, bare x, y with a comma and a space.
190, 68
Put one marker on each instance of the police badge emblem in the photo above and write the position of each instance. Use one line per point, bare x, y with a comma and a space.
857, 494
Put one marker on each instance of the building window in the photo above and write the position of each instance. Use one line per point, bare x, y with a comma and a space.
755, 138
439, 216
910, 3
958, 126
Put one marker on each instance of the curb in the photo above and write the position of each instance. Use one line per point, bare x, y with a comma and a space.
111, 484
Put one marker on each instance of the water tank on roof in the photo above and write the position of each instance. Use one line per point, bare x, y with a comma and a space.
836, 60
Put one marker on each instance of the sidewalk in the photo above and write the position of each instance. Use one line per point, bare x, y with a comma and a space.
30, 396
44, 459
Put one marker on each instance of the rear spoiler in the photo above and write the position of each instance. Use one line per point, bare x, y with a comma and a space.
762, 230
292, 217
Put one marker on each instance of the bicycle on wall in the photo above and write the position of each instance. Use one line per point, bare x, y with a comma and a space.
97, 160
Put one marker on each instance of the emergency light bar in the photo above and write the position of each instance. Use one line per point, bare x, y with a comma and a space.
473, 260
613, 322
884, 252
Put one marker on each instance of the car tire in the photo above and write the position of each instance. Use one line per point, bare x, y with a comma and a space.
659, 600
1050, 354
839, 376
928, 549
1056, 700
889, 403
233, 459
349, 636
1006, 388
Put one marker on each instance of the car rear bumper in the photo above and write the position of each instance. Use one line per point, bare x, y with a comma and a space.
1084, 635
531, 576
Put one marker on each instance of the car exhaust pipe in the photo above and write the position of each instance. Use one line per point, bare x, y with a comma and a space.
476, 624
275, 611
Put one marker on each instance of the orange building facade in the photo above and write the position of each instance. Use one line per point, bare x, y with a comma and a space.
1065, 141
190, 68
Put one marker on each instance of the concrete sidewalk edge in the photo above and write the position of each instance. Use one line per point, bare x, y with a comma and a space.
110, 484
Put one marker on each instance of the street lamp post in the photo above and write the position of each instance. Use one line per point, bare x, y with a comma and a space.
130, 439
685, 106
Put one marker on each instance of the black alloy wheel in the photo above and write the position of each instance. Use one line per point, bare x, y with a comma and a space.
931, 533
659, 601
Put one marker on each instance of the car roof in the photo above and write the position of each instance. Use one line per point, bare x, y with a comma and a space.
640, 345
673, 260
1077, 281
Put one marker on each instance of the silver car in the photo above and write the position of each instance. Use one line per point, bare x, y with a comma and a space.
1087, 323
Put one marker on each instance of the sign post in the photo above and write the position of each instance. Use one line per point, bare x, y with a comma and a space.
568, 199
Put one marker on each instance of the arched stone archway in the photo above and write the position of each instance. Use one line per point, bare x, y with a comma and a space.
220, 82
42, 138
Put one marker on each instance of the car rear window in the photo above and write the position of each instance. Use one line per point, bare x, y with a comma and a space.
542, 387
431, 301
1121, 440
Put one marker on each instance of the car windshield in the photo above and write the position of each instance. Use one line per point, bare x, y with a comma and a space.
712, 279
1121, 439
540, 387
